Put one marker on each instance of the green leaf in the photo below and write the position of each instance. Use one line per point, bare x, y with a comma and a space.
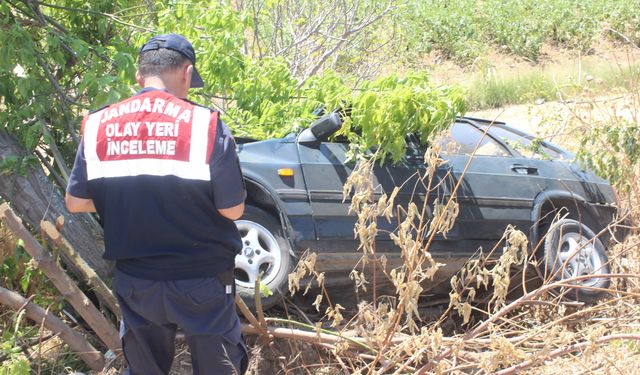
16, 366
264, 290
24, 282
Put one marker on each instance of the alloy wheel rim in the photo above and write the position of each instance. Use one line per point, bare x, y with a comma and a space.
260, 253
578, 256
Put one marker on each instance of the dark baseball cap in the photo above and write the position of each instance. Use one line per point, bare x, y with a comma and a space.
176, 43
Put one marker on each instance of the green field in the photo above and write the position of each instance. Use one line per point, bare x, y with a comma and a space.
464, 30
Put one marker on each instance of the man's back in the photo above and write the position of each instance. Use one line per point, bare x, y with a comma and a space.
149, 164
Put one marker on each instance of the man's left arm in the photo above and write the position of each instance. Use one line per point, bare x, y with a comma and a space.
78, 198
75, 204
229, 191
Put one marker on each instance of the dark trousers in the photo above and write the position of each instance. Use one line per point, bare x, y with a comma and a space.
153, 310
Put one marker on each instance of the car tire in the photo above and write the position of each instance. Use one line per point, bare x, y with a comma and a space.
567, 237
264, 250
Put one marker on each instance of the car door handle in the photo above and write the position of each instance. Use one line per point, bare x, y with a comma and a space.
523, 169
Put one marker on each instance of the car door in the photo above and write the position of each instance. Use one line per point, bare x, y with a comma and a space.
326, 169
496, 186
410, 175
551, 163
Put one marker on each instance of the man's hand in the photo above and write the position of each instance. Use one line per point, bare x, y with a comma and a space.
232, 213
75, 204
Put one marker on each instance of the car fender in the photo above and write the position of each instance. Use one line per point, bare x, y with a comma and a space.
552, 195
264, 186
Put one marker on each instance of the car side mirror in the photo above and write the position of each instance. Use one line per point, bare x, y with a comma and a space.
322, 128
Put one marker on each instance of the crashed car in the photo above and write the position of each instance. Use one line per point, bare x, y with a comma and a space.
295, 202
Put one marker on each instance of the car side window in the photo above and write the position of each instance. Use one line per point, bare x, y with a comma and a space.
526, 146
462, 139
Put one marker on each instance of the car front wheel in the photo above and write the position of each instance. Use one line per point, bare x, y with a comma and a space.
265, 252
572, 250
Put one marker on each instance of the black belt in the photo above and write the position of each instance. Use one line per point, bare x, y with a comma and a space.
228, 279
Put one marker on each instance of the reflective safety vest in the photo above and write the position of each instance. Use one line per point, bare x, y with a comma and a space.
149, 174
154, 133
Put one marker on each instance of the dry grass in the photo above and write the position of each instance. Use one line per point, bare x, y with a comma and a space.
7, 244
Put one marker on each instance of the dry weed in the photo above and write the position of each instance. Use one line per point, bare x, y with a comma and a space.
7, 244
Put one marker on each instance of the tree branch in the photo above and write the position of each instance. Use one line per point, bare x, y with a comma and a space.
105, 331
88, 11
52, 171
77, 343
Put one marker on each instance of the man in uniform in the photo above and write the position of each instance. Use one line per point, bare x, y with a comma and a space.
163, 174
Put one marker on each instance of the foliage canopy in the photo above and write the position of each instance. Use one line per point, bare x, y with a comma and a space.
71, 56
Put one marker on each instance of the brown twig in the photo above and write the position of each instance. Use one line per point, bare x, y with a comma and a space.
568, 349
251, 318
482, 327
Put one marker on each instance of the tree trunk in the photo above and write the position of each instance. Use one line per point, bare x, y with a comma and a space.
35, 198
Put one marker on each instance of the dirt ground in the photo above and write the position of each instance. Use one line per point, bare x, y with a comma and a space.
552, 59
552, 121
277, 357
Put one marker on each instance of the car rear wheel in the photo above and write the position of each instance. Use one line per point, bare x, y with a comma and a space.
571, 250
264, 252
